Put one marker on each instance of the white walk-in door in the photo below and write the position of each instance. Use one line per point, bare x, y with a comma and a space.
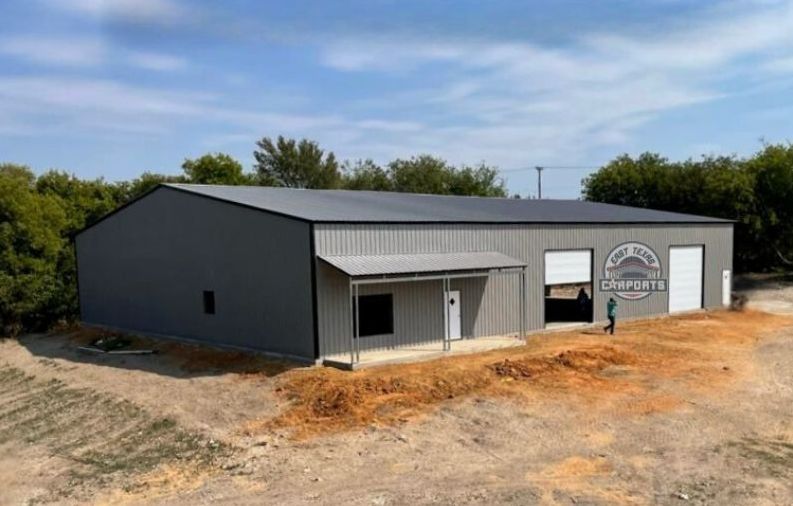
453, 314
570, 266
685, 278
726, 287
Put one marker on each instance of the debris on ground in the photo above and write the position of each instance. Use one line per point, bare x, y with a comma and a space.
114, 344
95, 349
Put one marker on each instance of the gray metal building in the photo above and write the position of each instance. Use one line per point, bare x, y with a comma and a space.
312, 274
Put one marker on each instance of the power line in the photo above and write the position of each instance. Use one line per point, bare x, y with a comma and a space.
555, 167
540, 168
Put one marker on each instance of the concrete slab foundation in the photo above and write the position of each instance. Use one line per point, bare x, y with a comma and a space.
421, 352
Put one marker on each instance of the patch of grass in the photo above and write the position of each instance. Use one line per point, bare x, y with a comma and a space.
104, 436
773, 457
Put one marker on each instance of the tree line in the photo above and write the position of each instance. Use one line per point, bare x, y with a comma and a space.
302, 164
39, 215
755, 191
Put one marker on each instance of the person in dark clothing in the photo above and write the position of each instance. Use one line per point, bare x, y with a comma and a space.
583, 303
611, 312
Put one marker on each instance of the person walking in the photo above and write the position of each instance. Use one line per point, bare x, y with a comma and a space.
611, 312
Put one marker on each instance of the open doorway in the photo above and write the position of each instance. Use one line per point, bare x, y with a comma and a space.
568, 287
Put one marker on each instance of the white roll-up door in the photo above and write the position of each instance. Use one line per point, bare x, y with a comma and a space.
571, 266
685, 278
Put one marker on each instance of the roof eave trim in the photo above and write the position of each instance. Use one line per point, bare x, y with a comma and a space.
188, 192
716, 221
418, 274
116, 210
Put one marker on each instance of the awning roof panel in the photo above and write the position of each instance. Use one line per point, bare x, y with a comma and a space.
378, 265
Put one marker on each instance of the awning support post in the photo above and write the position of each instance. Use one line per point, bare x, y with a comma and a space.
357, 328
443, 313
523, 309
352, 326
447, 339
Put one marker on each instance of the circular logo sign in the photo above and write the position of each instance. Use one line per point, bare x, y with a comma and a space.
632, 271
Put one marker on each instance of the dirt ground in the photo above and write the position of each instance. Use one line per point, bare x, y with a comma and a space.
694, 409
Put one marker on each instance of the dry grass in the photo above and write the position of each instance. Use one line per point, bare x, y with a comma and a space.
106, 438
700, 351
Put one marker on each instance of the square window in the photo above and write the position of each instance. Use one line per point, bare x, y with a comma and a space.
376, 314
209, 302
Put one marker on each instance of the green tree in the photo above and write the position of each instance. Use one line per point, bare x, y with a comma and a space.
215, 168
772, 172
420, 174
429, 174
646, 181
303, 164
365, 175
129, 190
480, 181
84, 201
31, 242
721, 187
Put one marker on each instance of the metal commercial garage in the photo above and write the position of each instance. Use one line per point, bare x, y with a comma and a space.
333, 274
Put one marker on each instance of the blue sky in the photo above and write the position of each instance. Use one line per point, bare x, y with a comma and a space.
114, 88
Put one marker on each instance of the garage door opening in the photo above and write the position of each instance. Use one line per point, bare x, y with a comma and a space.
685, 278
568, 287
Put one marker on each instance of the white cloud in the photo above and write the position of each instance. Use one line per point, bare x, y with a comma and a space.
100, 105
67, 51
511, 101
156, 61
783, 65
162, 11
82, 101
84, 52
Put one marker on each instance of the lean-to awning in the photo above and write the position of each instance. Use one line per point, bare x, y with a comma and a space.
381, 265
368, 269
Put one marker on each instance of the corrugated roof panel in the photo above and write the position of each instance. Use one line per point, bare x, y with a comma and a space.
376, 265
347, 206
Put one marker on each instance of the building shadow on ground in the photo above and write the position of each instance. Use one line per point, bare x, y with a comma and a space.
170, 358
762, 281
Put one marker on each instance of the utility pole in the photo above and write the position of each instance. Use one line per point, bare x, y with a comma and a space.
539, 182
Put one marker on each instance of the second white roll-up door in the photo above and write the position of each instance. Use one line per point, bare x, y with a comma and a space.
570, 266
685, 278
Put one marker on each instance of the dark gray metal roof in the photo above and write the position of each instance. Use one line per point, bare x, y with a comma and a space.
377, 265
347, 206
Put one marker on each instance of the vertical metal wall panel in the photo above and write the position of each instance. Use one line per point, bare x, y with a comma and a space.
145, 269
498, 311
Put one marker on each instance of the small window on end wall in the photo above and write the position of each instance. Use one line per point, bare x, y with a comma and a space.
209, 302
377, 314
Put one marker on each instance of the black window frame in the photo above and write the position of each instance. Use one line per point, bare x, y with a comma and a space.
376, 314
209, 302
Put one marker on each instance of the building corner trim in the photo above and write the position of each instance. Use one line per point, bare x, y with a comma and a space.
314, 314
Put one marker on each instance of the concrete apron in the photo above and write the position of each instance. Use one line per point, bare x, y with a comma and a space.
433, 350
422, 352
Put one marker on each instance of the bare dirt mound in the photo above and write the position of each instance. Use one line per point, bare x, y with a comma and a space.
329, 399
586, 361
692, 349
